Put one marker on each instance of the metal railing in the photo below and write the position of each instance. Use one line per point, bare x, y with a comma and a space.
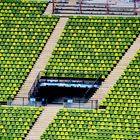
34, 84
23, 101
93, 85
107, 5
81, 104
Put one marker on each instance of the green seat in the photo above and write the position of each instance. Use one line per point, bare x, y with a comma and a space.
120, 119
22, 40
87, 39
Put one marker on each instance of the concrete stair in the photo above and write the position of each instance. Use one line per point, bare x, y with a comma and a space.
41, 61
42, 122
116, 72
49, 9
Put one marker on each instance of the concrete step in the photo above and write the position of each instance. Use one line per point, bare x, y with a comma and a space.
49, 9
42, 122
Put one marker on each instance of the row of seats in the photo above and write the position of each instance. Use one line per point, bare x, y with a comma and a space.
86, 47
119, 121
22, 39
97, 43
23, 7
105, 19
101, 29
17, 121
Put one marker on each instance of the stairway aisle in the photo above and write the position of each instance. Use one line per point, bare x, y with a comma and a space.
49, 9
41, 61
43, 121
116, 72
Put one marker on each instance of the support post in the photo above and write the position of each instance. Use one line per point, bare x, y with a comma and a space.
135, 8
107, 7
96, 104
79, 104
23, 101
91, 104
53, 6
81, 6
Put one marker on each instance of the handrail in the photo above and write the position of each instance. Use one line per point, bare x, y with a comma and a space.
93, 84
82, 104
34, 84
23, 101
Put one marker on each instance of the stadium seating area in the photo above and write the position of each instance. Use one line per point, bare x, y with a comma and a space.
92, 45
88, 46
23, 34
17, 7
119, 121
15, 122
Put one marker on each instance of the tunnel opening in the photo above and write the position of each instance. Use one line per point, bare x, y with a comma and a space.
62, 90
